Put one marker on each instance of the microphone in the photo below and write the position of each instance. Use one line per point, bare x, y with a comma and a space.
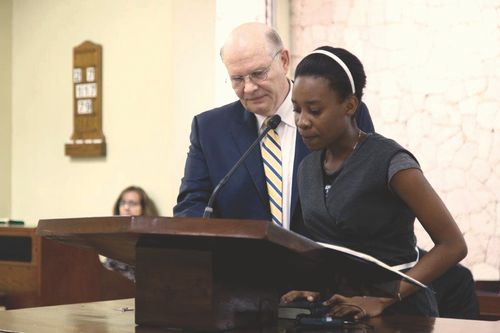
272, 123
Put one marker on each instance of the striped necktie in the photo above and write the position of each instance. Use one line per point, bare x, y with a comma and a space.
271, 156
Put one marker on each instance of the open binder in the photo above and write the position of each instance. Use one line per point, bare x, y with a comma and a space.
378, 268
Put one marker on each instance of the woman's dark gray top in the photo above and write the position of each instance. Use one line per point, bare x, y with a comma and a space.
360, 211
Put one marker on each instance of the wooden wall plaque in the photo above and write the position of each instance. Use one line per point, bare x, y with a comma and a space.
88, 138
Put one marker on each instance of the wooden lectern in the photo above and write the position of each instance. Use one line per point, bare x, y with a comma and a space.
200, 274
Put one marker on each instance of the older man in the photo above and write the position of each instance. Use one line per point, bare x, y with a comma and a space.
265, 186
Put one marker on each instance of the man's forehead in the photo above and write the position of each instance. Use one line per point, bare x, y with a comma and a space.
242, 48
245, 59
246, 66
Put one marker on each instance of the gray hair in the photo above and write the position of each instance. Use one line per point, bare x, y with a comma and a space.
273, 39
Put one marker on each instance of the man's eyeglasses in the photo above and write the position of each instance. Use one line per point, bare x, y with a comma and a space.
258, 76
129, 203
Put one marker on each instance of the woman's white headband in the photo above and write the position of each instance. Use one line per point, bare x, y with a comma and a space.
341, 63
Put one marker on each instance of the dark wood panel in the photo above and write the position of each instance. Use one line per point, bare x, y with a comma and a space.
57, 274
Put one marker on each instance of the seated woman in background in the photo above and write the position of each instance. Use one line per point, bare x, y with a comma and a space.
132, 201
363, 191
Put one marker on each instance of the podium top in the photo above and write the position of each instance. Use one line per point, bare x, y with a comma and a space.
116, 236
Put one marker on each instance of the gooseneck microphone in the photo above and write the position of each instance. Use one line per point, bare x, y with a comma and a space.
272, 123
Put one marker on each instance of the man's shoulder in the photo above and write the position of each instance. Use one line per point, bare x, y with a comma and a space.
231, 110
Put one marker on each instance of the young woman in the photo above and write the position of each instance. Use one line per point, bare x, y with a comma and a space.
132, 201
363, 191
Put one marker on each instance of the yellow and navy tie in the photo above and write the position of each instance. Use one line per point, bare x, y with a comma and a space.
271, 156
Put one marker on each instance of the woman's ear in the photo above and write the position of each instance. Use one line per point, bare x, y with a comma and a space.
351, 105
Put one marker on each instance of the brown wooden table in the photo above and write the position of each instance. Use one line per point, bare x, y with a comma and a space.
109, 316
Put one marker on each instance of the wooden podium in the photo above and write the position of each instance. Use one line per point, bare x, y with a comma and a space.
199, 274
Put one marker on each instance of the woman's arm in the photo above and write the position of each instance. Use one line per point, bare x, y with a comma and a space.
449, 245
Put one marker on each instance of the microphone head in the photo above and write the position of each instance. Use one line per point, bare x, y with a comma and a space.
274, 121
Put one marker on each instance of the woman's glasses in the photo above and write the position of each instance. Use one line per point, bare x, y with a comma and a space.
129, 203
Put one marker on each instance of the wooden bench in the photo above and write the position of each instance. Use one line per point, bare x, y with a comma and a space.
488, 294
3, 299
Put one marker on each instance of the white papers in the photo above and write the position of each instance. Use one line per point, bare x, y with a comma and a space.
77, 75
90, 75
84, 106
86, 90
371, 259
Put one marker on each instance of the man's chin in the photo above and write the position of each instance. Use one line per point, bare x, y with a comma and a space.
261, 107
260, 110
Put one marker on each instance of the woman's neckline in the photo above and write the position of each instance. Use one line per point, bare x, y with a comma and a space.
360, 139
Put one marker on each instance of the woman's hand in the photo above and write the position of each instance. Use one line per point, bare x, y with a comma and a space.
359, 307
293, 295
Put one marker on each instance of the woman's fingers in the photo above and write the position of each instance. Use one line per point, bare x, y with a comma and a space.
343, 311
341, 306
335, 299
361, 315
293, 295
346, 306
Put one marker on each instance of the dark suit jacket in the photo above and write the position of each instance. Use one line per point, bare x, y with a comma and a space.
219, 137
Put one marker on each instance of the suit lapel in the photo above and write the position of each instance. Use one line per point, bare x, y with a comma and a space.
244, 132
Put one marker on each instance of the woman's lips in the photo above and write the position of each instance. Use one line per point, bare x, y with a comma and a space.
307, 137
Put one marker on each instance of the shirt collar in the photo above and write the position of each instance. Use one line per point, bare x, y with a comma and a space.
285, 111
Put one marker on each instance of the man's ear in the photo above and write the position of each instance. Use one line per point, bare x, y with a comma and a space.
351, 105
285, 59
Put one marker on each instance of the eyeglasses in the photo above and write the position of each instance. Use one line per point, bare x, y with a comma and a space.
129, 203
258, 76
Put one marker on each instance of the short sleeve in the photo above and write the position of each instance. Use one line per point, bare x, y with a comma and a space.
401, 161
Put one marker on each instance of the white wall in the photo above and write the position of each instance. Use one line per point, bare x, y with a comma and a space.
158, 59
433, 85
5, 105
160, 67
230, 14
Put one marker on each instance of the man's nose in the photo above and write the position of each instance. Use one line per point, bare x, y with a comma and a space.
249, 85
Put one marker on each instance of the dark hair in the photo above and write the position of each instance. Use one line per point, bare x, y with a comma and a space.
147, 205
323, 66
